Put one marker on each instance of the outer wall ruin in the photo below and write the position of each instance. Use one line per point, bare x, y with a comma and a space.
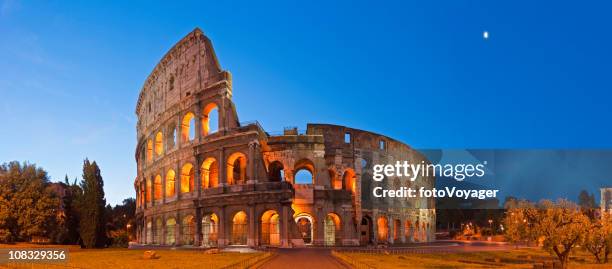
205, 179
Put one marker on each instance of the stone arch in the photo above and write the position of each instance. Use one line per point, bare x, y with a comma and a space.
210, 227
397, 224
170, 183
149, 188
270, 228
159, 143
149, 233
382, 224
236, 168
170, 231
210, 114
336, 182
188, 127
157, 188
187, 230
187, 178
240, 225
299, 175
210, 173
276, 171
332, 228
408, 231
349, 180
149, 150
305, 223
157, 235
365, 230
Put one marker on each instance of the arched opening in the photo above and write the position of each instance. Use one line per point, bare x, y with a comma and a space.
408, 231
332, 229
187, 178
210, 173
236, 168
349, 180
149, 187
239, 228
270, 229
383, 229
210, 119
209, 230
149, 233
276, 172
188, 229
170, 183
149, 150
304, 172
170, 231
157, 193
158, 231
365, 229
335, 181
188, 127
159, 143
397, 224
304, 223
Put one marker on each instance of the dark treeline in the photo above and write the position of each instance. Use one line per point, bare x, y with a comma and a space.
33, 209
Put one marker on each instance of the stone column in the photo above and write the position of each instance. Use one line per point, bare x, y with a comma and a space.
177, 181
222, 167
252, 162
318, 226
197, 240
284, 226
198, 122
391, 231
402, 230
198, 176
251, 240
375, 228
221, 233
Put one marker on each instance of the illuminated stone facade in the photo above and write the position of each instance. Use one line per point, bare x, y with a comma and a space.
205, 179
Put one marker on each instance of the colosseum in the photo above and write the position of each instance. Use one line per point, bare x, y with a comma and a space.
206, 179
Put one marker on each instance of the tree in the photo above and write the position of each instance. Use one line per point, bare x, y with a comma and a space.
587, 203
29, 206
70, 224
120, 217
519, 221
92, 206
598, 240
562, 226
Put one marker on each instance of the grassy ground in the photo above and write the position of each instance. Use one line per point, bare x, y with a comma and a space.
126, 258
521, 258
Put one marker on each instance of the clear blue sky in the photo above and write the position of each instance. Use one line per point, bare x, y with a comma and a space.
70, 73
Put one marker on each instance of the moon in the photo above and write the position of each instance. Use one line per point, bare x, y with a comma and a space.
485, 35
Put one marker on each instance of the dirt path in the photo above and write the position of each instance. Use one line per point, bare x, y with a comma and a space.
307, 258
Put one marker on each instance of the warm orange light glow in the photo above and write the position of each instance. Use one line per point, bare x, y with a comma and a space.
159, 143
383, 228
206, 114
336, 183
170, 183
349, 179
270, 229
236, 168
187, 175
186, 127
157, 193
210, 173
148, 190
149, 150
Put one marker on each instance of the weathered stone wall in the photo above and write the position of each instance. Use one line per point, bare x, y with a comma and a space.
237, 186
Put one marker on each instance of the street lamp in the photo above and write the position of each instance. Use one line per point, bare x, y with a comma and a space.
491, 226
